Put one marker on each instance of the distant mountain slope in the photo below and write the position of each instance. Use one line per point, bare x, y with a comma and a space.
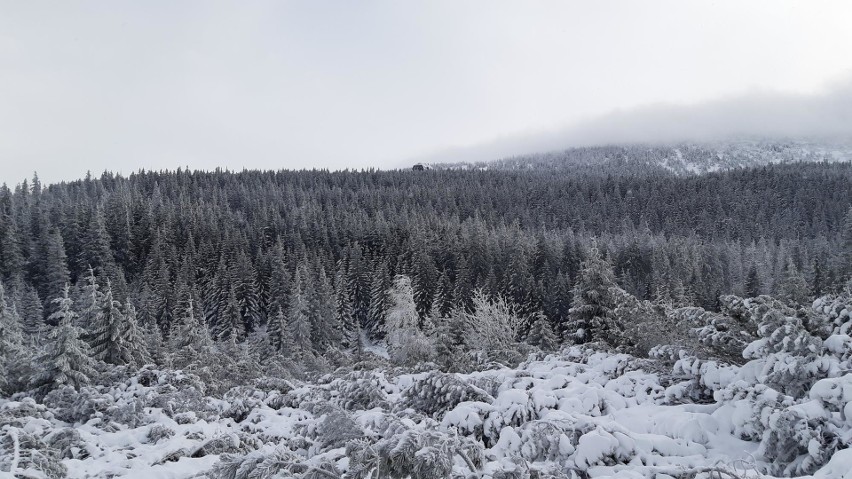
680, 159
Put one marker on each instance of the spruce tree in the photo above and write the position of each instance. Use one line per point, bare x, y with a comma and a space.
359, 278
91, 302
450, 340
105, 331
423, 280
158, 280
793, 288
180, 289
11, 250
491, 286
592, 312
277, 331
297, 316
682, 295
457, 329
558, 304
66, 362
230, 322
189, 342
37, 241
378, 300
134, 351
31, 311
463, 285
153, 338
11, 339
350, 329
753, 286
407, 343
322, 313
279, 279
245, 289
517, 286
96, 252
818, 280
56, 274
442, 303
541, 333
214, 295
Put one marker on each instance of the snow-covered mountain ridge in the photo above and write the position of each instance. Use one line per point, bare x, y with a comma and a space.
680, 158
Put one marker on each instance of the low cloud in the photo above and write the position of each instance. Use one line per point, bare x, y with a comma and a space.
826, 115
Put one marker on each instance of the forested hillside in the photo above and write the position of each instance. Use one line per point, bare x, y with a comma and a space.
236, 242
591, 322
682, 159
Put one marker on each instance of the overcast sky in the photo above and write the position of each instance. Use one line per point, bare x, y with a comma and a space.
160, 84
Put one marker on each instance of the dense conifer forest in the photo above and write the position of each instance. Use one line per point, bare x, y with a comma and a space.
505, 322
235, 242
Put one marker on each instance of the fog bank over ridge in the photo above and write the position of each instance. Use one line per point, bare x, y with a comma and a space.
826, 116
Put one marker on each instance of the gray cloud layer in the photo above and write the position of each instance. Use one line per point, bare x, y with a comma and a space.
123, 84
827, 115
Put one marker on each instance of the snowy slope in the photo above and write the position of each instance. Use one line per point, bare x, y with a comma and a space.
680, 158
592, 413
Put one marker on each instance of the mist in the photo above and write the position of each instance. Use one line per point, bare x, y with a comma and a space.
824, 116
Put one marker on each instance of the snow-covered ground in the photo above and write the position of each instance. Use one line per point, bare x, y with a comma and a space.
568, 414
783, 409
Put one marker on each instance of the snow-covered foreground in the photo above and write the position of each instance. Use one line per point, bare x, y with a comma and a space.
578, 413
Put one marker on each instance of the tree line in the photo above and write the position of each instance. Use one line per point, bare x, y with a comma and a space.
310, 258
